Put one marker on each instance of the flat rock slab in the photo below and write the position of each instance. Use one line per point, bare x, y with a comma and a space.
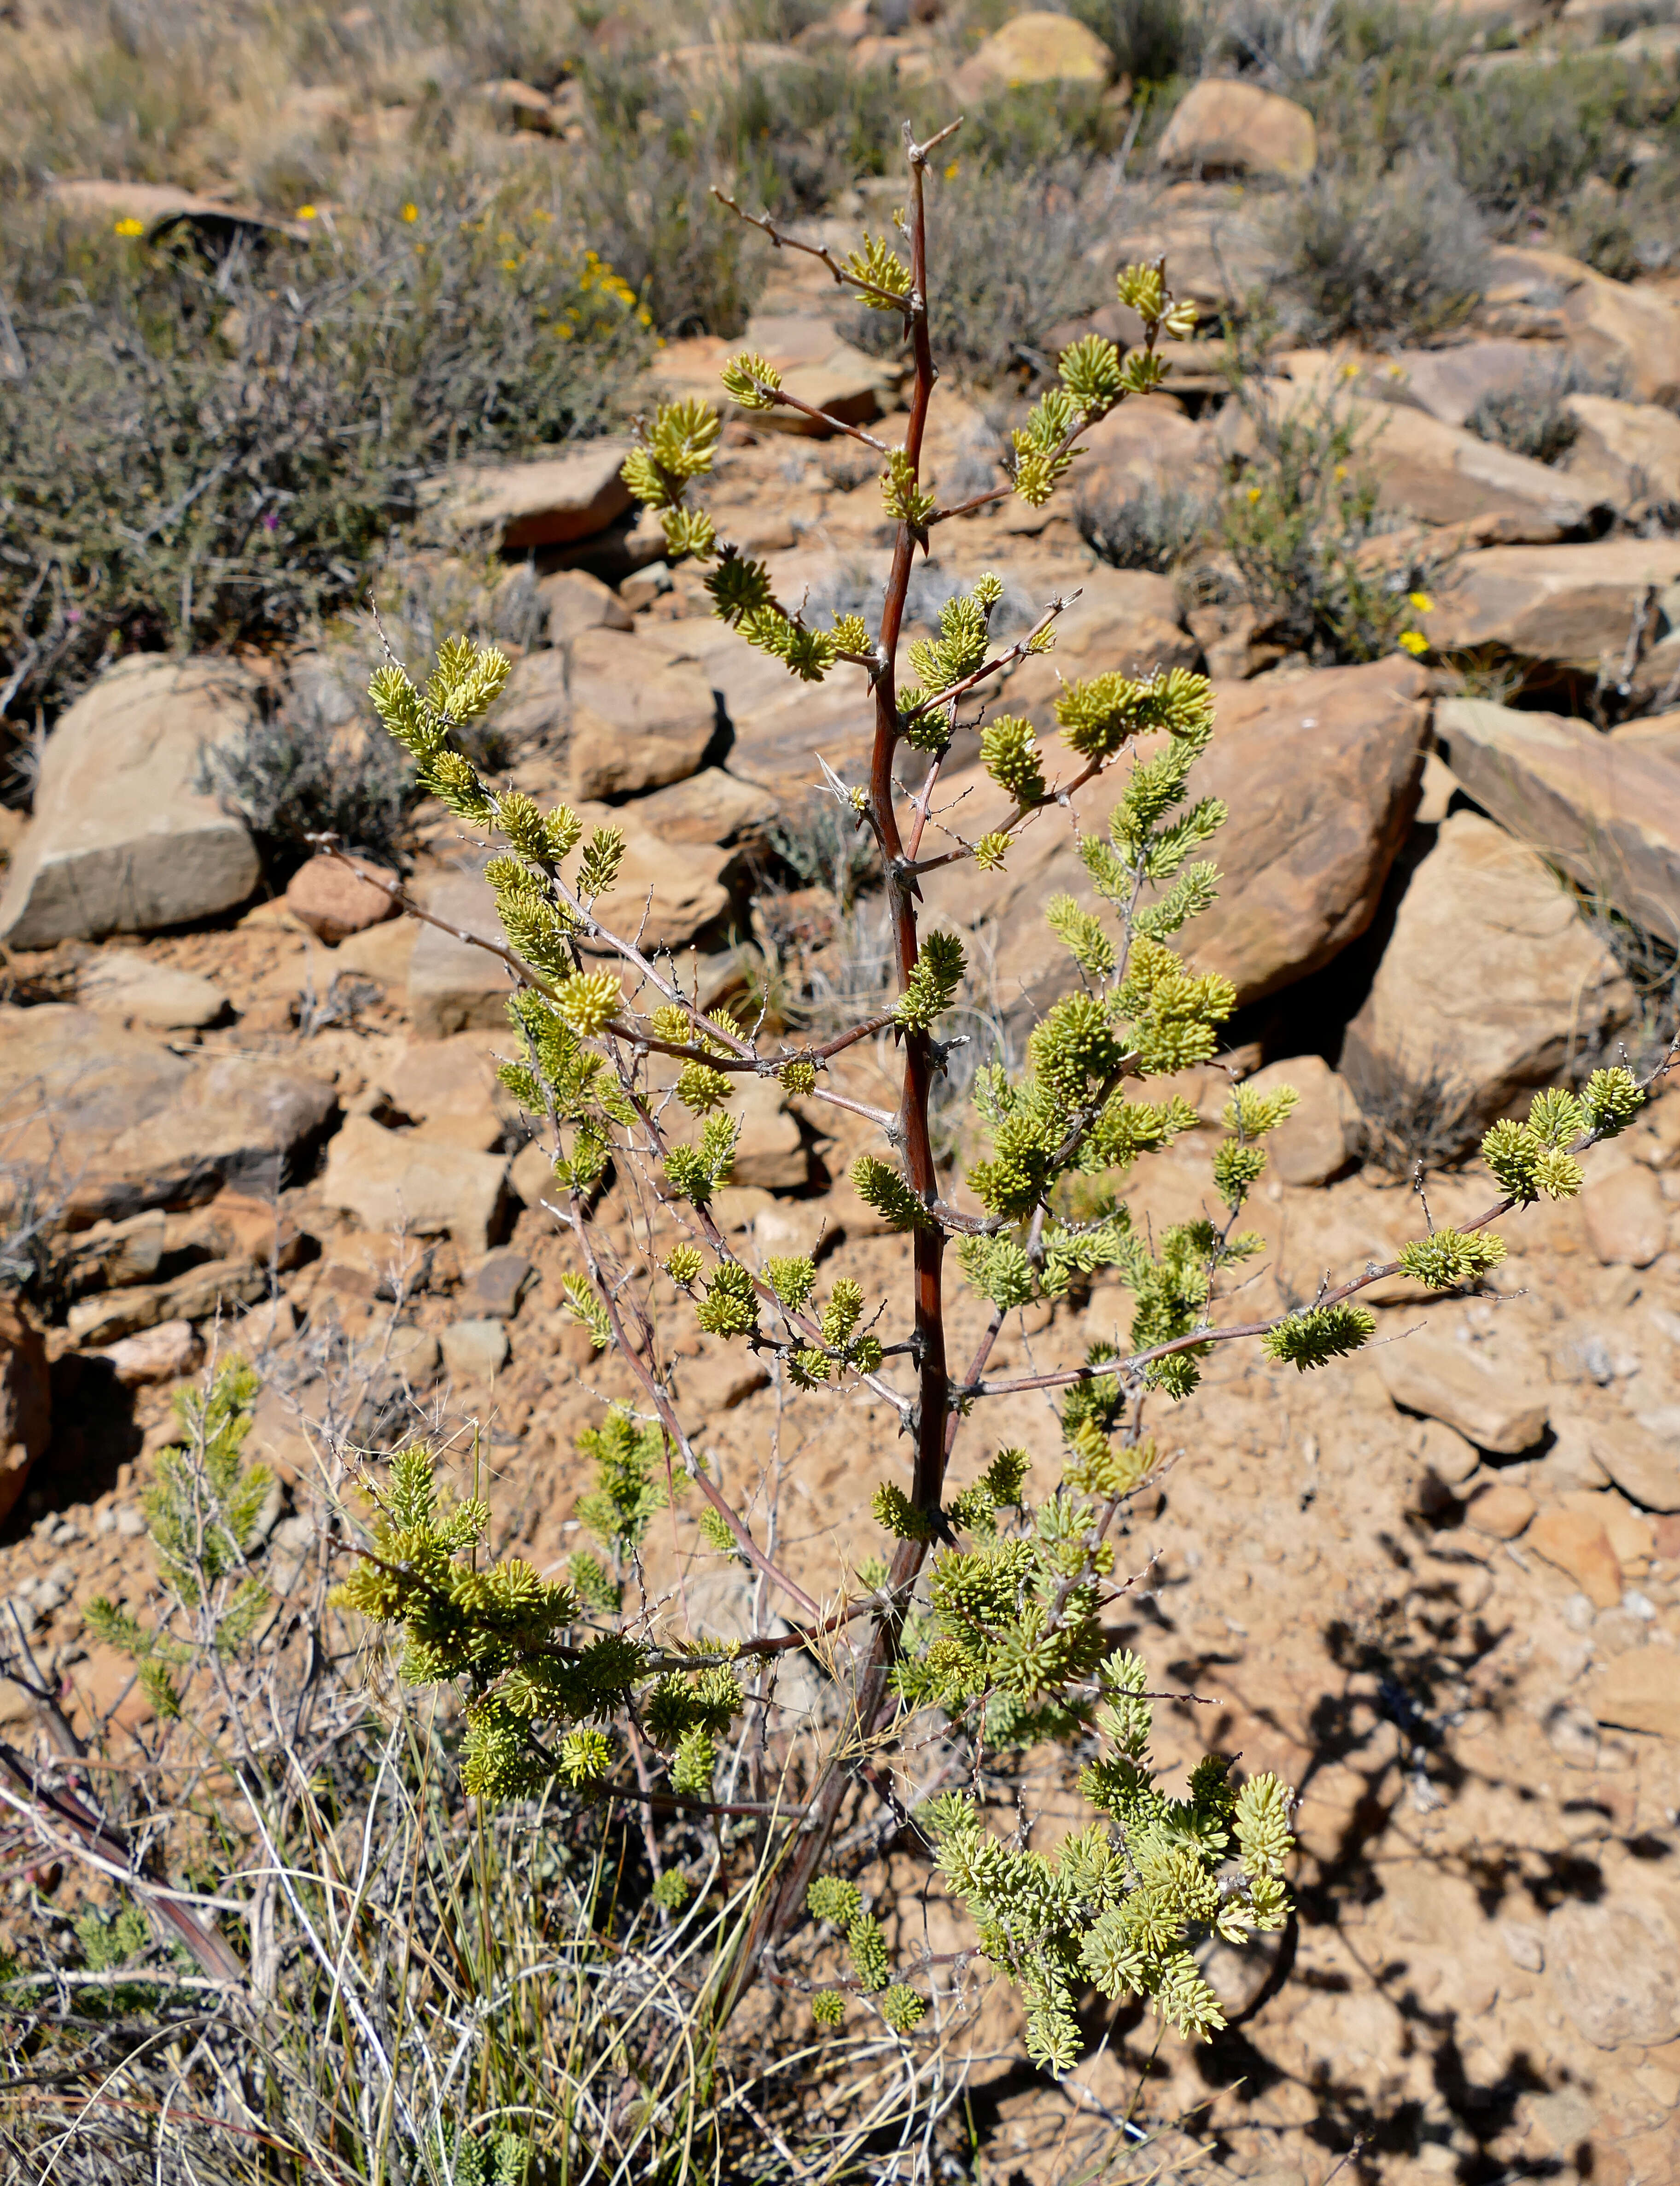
391, 1180
125, 1125
1566, 607
816, 363
1625, 1218
1490, 1402
215, 1286
1643, 1463
1616, 329
1321, 776
1449, 384
1444, 475
122, 983
1489, 983
1616, 1967
1606, 810
712, 806
121, 842
551, 501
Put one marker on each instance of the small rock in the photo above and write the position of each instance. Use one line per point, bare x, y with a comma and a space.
393, 1181
574, 601
500, 1284
1318, 1140
737, 1206
162, 1354
1446, 1454
474, 1351
1640, 1691
267, 1326
1626, 1218
1237, 128
333, 902
123, 983
1493, 1406
413, 1352
1524, 1947
450, 1088
551, 502
1576, 1542
130, 1523
639, 717
1501, 1511
111, 1254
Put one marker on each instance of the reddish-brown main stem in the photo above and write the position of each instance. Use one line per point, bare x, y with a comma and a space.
870, 1693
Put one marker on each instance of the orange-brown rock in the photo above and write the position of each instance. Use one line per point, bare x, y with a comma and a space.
333, 901
1576, 1542
25, 1400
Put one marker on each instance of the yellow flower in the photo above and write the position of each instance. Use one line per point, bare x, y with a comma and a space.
1415, 642
510, 264
131, 226
306, 212
1350, 370
1341, 472
951, 172
1253, 495
1421, 602
410, 211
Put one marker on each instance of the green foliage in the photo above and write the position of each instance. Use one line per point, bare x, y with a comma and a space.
1314, 1338
932, 987
629, 1492
1123, 1900
881, 1186
902, 2008
1400, 257
1295, 521
832, 1899
1447, 1257
828, 2007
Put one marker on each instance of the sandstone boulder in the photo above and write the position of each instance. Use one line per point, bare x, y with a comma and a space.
1321, 775
392, 1180
128, 1125
161, 1353
631, 712
121, 982
771, 1151
1035, 49
449, 1088
1604, 809
474, 1352
1490, 1401
335, 902
1568, 608
1626, 1217
214, 1286
551, 501
1488, 986
121, 840
1640, 1691
1645, 1464
1239, 128
26, 1401
1322, 1136
712, 806
1444, 475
